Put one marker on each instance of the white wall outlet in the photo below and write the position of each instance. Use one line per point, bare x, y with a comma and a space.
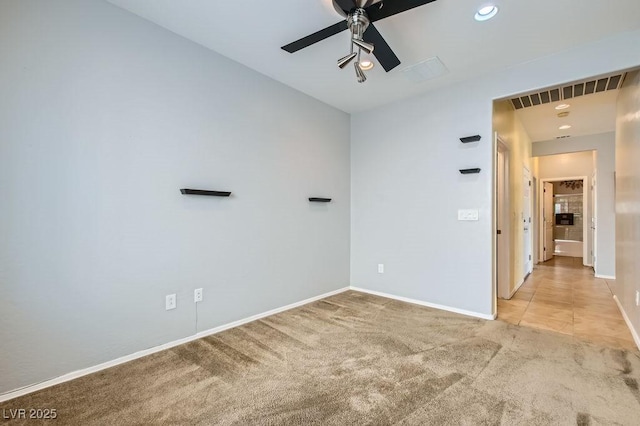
468, 214
637, 298
170, 302
381, 268
197, 295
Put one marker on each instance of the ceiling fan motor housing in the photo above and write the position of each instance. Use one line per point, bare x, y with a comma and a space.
358, 22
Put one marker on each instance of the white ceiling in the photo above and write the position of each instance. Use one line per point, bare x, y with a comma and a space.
588, 115
252, 31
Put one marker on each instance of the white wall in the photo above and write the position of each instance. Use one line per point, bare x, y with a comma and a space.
604, 145
406, 188
562, 165
103, 118
628, 200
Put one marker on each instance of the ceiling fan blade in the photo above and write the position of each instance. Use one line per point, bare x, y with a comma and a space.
315, 37
385, 9
343, 7
382, 51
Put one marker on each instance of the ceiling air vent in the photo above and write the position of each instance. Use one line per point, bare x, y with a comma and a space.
425, 70
563, 137
569, 91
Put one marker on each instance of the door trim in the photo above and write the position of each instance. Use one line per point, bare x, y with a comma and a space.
528, 221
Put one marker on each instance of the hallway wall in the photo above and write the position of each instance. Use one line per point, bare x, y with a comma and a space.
604, 145
628, 199
511, 131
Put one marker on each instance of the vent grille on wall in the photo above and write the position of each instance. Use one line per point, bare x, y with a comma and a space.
556, 94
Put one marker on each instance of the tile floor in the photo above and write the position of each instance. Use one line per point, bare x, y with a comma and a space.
562, 295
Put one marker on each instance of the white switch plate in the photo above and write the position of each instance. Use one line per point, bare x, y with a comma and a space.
197, 295
170, 302
637, 298
381, 268
468, 214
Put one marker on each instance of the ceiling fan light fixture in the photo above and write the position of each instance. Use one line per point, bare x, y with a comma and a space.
367, 47
366, 65
342, 62
486, 12
362, 77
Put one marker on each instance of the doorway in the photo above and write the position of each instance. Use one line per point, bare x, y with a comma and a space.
565, 219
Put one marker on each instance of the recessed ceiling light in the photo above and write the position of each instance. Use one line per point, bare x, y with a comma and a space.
486, 12
366, 65
564, 127
563, 106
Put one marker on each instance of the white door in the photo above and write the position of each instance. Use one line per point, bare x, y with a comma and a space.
594, 215
547, 202
503, 255
526, 223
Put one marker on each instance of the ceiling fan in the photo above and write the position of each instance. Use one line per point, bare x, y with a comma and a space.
359, 17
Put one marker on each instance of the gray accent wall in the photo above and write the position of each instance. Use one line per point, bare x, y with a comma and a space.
103, 118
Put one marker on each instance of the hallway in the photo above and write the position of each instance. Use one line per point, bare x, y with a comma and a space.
562, 295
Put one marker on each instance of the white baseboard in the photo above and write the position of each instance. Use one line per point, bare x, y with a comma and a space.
634, 333
605, 277
85, 371
428, 304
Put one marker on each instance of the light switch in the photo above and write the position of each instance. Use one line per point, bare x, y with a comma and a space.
468, 214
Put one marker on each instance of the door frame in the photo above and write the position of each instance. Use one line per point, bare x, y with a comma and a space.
528, 263
585, 233
543, 223
501, 258
534, 221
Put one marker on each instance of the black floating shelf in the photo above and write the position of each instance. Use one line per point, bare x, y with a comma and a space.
469, 171
203, 192
468, 139
319, 200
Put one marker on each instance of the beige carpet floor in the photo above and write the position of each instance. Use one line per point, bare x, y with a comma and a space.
359, 359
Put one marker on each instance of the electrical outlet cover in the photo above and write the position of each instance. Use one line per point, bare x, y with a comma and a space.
170, 301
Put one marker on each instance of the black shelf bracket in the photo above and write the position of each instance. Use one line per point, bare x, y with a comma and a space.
469, 171
469, 139
319, 200
204, 192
